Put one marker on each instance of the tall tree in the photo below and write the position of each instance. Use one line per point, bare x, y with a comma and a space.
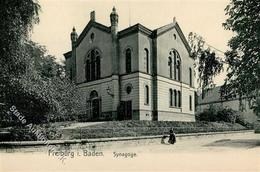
207, 63
244, 56
30, 79
16, 21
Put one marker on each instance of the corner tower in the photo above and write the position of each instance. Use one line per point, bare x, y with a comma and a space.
114, 30
115, 61
114, 22
73, 38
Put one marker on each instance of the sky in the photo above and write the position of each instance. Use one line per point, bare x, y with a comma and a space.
57, 18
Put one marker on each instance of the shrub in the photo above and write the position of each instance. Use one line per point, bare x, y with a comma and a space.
21, 133
209, 114
227, 115
216, 114
241, 120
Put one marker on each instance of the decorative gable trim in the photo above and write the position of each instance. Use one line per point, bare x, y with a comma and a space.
184, 40
134, 29
89, 26
166, 28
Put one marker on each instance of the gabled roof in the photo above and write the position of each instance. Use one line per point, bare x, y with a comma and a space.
134, 29
166, 28
88, 27
155, 33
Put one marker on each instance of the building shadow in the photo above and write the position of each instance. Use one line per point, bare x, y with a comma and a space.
236, 143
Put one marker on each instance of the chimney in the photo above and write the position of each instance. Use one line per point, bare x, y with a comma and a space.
92, 16
174, 19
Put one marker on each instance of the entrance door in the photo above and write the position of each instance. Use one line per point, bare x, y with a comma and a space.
94, 106
95, 109
128, 110
125, 111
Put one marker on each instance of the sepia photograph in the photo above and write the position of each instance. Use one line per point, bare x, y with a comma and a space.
128, 85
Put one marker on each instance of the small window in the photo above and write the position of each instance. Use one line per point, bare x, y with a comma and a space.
170, 66
128, 89
146, 95
190, 103
171, 97
190, 72
174, 36
147, 60
179, 99
92, 37
175, 98
128, 61
178, 70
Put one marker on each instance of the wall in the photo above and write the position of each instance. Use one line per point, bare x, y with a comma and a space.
138, 78
131, 79
165, 43
68, 66
131, 42
101, 87
247, 113
103, 42
145, 109
144, 42
165, 112
141, 111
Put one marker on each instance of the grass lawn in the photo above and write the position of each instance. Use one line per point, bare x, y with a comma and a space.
76, 130
145, 128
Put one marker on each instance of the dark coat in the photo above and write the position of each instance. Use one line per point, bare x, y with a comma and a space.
172, 138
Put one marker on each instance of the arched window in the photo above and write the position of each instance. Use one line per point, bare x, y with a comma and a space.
128, 60
174, 35
170, 66
177, 64
93, 65
92, 36
97, 67
171, 98
175, 98
190, 72
179, 99
178, 70
174, 64
94, 105
87, 70
93, 94
190, 103
146, 60
92, 68
146, 95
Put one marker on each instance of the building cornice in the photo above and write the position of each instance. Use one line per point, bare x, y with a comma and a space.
134, 29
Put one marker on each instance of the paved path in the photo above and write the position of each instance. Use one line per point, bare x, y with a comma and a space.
81, 124
235, 152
